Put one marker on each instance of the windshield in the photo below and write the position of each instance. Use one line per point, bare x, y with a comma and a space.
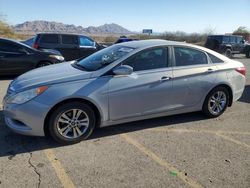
104, 57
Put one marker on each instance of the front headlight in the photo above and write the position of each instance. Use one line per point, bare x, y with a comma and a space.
58, 57
25, 96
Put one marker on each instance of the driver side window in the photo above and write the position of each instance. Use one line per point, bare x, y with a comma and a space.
149, 59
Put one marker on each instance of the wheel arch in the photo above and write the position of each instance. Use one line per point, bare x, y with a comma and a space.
229, 89
88, 102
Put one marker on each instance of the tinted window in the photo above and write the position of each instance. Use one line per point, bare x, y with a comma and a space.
233, 39
149, 59
84, 41
69, 39
10, 47
188, 56
214, 59
217, 38
226, 39
49, 38
239, 40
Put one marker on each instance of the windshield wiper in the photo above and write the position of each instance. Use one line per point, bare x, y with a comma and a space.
79, 66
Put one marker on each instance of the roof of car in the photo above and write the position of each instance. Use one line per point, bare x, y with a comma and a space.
150, 43
224, 35
60, 34
142, 44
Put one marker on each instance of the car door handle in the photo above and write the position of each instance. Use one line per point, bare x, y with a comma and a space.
210, 71
165, 78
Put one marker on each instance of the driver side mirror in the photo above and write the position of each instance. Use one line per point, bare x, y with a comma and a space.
123, 70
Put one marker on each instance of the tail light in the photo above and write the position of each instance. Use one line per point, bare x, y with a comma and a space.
36, 45
241, 70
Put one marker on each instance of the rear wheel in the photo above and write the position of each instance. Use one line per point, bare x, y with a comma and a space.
248, 54
71, 123
228, 53
216, 102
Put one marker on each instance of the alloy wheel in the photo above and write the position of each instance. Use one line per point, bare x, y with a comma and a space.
217, 102
72, 123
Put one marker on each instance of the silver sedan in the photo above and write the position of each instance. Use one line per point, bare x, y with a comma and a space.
122, 83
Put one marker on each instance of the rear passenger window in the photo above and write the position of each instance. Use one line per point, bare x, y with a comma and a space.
188, 56
215, 59
51, 38
69, 39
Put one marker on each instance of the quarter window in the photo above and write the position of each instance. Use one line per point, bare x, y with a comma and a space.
215, 59
188, 56
69, 39
51, 38
149, 59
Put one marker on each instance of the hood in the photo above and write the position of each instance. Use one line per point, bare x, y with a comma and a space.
52, 74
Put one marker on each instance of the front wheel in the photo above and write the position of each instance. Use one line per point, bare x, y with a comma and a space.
228, 53
216, 102
72, 122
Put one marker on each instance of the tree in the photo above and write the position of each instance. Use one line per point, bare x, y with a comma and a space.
241, 29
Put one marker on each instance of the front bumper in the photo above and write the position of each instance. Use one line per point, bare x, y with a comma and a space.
27, 118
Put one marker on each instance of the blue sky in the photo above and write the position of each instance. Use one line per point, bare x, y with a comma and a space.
223, 16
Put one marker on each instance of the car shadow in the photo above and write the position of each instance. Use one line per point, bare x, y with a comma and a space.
246, 95
12, 144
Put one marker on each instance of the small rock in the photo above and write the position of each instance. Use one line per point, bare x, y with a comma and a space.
185, 174
55, 159
228, 161
210, 180
0, 182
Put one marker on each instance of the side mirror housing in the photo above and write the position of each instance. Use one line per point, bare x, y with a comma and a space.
123, 70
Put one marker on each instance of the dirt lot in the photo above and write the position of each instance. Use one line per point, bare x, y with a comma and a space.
178, 151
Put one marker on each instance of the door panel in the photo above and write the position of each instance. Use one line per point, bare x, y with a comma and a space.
15, 63
144, 92
193, 76
191, 83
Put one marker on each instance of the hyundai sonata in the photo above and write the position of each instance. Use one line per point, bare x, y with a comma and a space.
122, 83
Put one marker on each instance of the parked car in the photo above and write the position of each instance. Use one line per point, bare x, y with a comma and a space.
122, 83
71, 46
17, 58
124, 39
228, 45
29, 42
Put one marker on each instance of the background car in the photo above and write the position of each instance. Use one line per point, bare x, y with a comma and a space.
29, 42
71, 46
122, 83
17, 58
228, 45
124, 39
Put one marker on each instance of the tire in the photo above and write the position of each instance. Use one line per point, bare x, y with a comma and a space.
228, 53
43, 64
248, 54
216, 102
65, 123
